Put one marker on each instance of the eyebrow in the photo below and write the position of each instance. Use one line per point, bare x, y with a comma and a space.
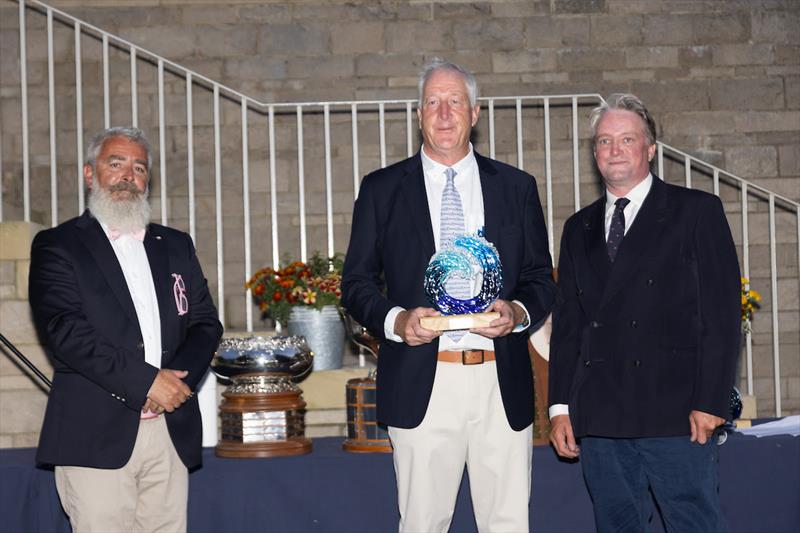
115, 157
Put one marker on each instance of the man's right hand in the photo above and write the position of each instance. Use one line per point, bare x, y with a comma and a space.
562, 438
407, 326
168, 390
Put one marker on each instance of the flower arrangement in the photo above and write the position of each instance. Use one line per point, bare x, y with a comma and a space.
313, 284
751, 302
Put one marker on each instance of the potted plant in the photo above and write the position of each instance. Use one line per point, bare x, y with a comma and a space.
305, 298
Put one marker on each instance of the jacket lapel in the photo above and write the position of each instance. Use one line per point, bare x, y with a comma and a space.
413, 189
492, 198
644, 234
156, 248
595, 238
96, 242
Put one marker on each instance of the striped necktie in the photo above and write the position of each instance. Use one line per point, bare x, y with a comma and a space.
452, 226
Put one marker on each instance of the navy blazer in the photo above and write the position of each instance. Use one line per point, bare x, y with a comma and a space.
640, 343
390, 246
86, 317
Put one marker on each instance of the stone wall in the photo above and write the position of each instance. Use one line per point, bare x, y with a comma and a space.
22, 396
721, 78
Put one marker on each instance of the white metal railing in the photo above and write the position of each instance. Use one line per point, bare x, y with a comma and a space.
305, 146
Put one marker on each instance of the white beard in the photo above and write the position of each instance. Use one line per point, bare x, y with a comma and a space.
124, 215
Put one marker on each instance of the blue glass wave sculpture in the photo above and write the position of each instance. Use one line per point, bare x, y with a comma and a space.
467, 256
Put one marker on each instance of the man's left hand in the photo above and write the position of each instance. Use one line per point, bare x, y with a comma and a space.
703, 425
510, 315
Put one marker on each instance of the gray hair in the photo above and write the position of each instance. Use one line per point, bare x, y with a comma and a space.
440, 64
625, 102
133, 134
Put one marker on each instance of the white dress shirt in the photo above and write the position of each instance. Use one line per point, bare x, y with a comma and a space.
468, 183
132, 259
636, 196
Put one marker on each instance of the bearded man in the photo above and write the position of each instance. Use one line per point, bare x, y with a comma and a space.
125, 312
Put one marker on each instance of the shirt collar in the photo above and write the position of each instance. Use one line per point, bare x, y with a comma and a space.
433, 168
635, 195
113, 234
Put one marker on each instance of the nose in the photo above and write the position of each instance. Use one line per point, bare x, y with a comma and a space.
615, 147
127, 172
444, 110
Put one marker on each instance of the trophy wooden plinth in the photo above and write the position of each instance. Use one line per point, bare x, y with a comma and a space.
265, 419
453, 322
364, 434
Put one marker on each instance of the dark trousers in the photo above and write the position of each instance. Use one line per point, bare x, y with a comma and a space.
681, 474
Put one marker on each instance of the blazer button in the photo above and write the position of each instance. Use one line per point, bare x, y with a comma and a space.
650, 282
637, 363
634, 324
587, 363
579, 292
595, 324
140, 345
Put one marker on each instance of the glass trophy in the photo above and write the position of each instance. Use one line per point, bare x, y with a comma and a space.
473, 258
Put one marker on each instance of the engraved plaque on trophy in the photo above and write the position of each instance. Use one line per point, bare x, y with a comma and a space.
263, 414
473, 258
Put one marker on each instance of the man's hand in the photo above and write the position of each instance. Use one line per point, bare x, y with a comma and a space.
562, 438
152, 407
703, 425
511, 314
167, 390
407, 326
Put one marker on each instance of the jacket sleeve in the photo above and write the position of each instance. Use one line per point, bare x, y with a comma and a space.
719, 288
362, 282
535, 288
565, 337
204, 329
58, 310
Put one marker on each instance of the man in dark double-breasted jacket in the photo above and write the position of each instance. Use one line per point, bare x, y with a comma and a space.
645, 335
124, 309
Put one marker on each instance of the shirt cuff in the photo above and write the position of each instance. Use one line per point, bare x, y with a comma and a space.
388, 324
525, 323
558, 409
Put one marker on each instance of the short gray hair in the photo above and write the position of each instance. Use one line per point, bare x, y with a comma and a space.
440, 64
129, 132
625, 102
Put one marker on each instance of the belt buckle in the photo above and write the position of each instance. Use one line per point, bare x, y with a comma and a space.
464, 357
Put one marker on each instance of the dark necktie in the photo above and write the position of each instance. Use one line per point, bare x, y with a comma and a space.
617, 230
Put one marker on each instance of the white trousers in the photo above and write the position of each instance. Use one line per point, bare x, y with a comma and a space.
149, 493
465, 424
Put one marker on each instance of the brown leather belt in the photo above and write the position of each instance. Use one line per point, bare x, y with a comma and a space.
467, 357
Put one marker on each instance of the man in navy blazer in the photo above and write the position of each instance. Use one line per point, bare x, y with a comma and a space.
645, 335
451, 400
124, 309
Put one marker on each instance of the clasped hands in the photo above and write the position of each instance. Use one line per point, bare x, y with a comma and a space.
168, 391
408, 327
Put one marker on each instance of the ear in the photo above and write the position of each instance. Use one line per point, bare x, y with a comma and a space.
87, 175
651, 151
419, 117
476, 111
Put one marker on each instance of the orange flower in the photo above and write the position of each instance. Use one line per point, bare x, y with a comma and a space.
277, 295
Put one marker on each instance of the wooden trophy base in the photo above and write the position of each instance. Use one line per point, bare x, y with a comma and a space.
244, 450
259, 422
364, 435
452, 322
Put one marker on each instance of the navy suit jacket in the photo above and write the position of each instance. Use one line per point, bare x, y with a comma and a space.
86, 317
390, 246
638, 344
